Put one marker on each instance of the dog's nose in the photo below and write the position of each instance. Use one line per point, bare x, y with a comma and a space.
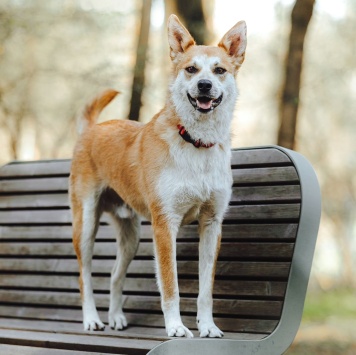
204, 86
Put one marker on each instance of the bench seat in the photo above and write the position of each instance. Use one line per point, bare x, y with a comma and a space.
268, 239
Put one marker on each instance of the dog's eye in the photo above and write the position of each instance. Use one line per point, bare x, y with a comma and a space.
191, 70
219, 70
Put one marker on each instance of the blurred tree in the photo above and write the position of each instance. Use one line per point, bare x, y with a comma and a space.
301, 15
193, 14
141, 52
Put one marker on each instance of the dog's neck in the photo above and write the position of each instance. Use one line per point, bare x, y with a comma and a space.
211, 128
187, 137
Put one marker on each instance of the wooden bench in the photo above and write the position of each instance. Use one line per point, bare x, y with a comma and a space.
269, 236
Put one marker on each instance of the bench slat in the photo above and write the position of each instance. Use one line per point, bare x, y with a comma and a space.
38, 185
145, 249
240, 176
265, 175
262, 308
30, 350
21, 169
147, 267
233, 231
239, 195
130, 332
258, 156
245, 212
76, 342
55, 167
139, 319
143, 285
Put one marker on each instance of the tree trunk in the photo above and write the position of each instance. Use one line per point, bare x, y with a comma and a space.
192, 14
301, 15
141, 52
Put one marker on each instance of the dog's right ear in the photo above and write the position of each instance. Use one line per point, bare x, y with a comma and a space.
179, 38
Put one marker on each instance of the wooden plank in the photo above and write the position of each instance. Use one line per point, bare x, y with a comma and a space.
245, 325
258, 156
263, 212
77, 328
88, 342
31, 217
240, 176
239, 195
145, 249
236, 307
265, 175
130, 332
18, 169
244, 212
234, 288
147, 267
30, 350
34, 201
37, 184
230, 231
261, 289
239, 157
265, 194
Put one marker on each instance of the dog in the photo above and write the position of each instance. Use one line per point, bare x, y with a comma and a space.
172, 171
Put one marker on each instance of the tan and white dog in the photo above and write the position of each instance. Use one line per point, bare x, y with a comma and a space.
173, 170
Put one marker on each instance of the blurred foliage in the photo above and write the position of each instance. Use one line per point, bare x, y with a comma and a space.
340, 303
55, 55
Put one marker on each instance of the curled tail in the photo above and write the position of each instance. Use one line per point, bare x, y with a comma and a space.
93, 110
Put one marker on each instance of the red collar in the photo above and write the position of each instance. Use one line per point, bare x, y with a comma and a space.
186, 136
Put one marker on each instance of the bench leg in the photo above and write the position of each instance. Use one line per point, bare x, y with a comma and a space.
209, 245
166, 265
128, 238
85, 225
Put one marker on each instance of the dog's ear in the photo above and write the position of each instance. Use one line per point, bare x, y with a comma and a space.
179, 38
234, 43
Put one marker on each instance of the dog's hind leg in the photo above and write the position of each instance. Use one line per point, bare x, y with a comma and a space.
86, 216
127, 242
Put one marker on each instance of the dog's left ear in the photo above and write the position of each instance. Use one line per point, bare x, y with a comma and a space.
234, 43
179, 38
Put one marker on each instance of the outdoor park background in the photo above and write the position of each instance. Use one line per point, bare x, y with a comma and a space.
56, 55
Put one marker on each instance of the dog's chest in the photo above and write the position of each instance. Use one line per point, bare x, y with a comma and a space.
195, 177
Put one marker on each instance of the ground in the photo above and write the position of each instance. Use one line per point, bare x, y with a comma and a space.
328, 326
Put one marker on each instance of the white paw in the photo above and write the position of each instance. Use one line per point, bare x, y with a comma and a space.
93, 324
179, 330
117, 321
209, 330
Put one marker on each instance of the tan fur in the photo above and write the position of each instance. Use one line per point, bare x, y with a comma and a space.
118, 166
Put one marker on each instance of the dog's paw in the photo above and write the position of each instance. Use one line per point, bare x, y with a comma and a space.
179, 330
209, 330
93, 324
117, 321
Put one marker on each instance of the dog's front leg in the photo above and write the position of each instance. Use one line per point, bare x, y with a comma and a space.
209, 245
165, 231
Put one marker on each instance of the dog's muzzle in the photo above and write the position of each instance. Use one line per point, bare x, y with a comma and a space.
205, 104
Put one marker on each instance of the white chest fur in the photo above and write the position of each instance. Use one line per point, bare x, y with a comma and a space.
195, 176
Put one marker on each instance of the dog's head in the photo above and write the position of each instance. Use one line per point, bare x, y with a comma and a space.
204, 76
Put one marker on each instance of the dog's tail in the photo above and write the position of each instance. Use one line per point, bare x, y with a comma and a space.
92, 111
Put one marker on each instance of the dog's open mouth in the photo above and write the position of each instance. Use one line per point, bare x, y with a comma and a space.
205, 104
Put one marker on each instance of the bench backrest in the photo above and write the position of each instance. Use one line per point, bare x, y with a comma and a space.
39, 272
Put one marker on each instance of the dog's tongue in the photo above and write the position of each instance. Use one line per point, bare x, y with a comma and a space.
204, 104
